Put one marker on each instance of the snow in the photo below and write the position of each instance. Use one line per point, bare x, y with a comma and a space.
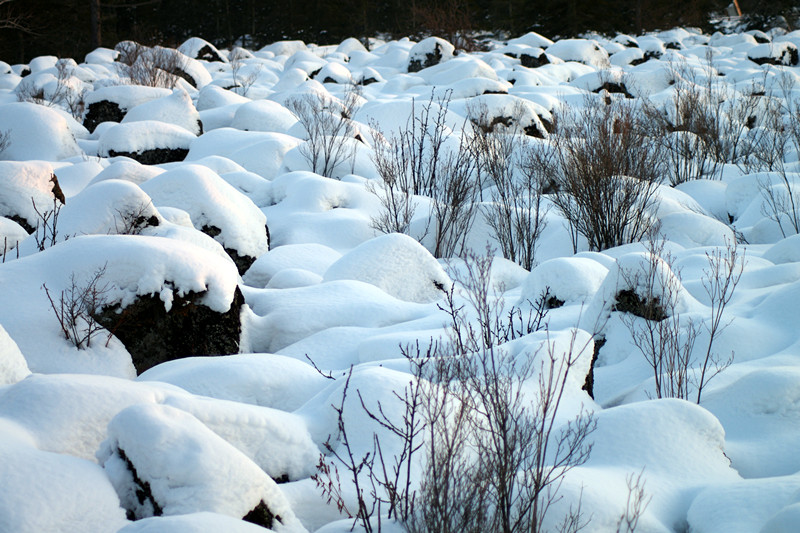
328, 293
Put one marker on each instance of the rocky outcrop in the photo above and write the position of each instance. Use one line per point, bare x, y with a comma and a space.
154, 156
153, 335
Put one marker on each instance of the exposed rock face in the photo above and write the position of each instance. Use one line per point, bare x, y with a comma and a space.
531, 61
154, 335
156, 156
102, 111
627, 301
261, 516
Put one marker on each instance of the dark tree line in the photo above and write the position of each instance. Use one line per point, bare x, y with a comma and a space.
74, 27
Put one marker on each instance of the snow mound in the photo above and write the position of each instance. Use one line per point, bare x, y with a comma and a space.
215, 207
266, 380
13, 367
176, 108
584, 51
627, 288
278, 442
398, 265
289, 315
45, 491
258, 152
26, 187
568, 279
138, 137
125, 96
263, 115
147, 449
314, 258
429, 52
36, 132
111, 207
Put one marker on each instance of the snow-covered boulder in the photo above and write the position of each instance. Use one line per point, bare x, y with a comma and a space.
45, 491
110, 104
263, 115
37, 132
177, 108
398, 265
145, 458
311, 257
584, 51
149, 142
198, 48
26, 187
216, 208
266, 380
781, 53
563, 280
429, 52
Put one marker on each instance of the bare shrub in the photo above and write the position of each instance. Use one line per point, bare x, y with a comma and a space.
667, 341
606, 172
77, 305
516, 214
242, 82
328, 123
704, 125
418, 161
636, 504
5, 141
134, 219
68, 92
150, 66
46, 232
449, 19
494, 458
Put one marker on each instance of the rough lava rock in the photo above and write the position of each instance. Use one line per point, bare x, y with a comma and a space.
153, 335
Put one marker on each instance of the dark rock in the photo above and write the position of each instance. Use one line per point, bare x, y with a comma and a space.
207, 53
243, 262
261, 516
788, 58
102, 111
153, 335
613, 87
22, 222
534, 131
553, 303
627, 301
156, 156
588, 384
367, 81
143, 492
673, 45
328, 79
549, 127
530, 61
431, 59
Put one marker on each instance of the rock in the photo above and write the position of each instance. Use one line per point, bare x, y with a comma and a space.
152, 335
102, 111
534, 61
627, 301
155, 156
